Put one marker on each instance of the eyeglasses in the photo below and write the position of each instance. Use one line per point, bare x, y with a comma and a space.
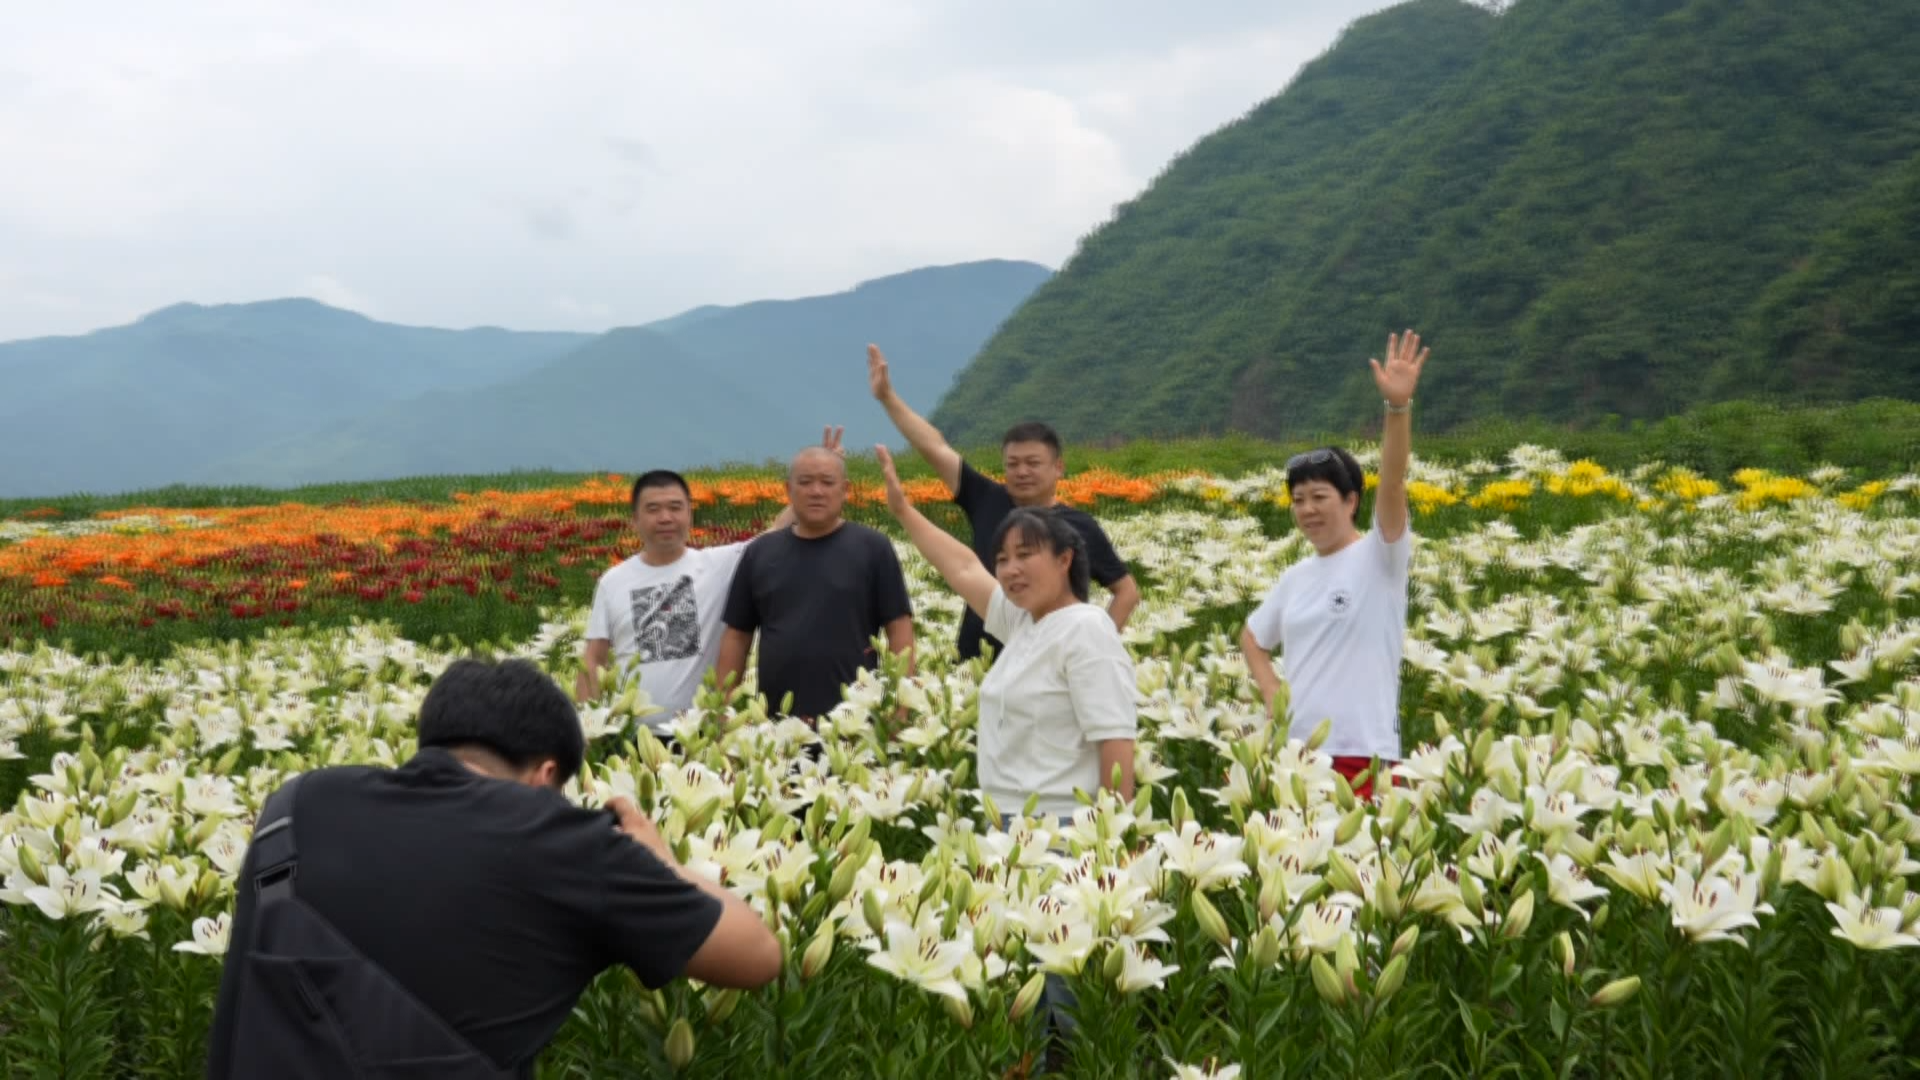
1311, 457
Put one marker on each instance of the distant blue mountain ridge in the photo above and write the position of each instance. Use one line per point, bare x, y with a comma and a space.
287, 392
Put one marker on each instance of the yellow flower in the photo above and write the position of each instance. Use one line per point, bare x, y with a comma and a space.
1503, 494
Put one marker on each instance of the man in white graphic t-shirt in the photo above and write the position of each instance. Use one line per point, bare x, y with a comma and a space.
1339, 617
659, 612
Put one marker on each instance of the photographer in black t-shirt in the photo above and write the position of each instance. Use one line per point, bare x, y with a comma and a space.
1035, 466
476, 885
817, 593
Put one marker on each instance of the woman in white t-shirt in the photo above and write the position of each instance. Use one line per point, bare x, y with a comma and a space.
1057, 709
1339, 617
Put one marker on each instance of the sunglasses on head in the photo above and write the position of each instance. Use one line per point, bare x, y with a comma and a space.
1311, 457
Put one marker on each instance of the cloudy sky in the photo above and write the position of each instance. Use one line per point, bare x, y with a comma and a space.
583, 165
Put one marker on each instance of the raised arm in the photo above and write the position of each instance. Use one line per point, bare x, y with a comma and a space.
925, 439
955, 560
1396, 380
594, 659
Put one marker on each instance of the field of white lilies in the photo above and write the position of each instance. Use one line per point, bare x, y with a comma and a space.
1658, 816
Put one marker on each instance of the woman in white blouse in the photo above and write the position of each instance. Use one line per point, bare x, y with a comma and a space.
1057, 708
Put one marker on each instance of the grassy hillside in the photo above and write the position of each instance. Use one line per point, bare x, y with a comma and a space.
1593, 208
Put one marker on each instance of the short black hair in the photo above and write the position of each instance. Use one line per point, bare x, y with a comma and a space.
1333, 465
655, 478
1033, 431
510, 707
1045, 527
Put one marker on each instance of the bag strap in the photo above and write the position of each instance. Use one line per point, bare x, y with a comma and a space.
278, 858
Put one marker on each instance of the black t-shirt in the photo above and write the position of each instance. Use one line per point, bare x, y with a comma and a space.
495, 903
817, 604
987, 504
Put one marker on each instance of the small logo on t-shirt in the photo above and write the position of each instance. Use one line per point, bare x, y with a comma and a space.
666, 623
1340, 602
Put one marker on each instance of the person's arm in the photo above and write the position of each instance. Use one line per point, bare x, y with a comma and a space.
1396, 380
1126, 597
598, 653
730, 667
1117, 752
740, 953
925, 439
900, 639
1260, 666
956, 561
742, 618
1107, 568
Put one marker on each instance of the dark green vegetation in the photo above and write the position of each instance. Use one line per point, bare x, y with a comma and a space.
292, 392
1592, 208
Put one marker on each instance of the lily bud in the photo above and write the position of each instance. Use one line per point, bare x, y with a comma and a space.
1402, 813
1299, 787
1346, 959
1470, 894
1327, 983
1390, 979
842, 881
1321, 732
1116, 962
961, 1009
1563, 952
1028, 997
1182, 810
1481, 750
1342, 876
1404, 944
1349, 826
1343, 794
680, 1044
1264, 949
1386, 896
819, 951
721, 1005
1519, 917
870, 909
1616, 992
1273, 891
30, 865
1211, 922
1601, 917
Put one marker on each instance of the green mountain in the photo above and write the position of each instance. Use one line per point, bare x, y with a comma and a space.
154, 402
1589, 207
713, 385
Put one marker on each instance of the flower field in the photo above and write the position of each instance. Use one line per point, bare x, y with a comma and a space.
1658, 817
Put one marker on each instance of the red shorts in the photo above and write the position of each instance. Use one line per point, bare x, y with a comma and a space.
1351, 767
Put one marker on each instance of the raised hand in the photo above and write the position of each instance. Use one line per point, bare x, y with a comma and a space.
879, 379
896, 494
1401, 373
831, 439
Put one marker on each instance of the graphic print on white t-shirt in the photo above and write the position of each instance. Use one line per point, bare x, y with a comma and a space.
666, 621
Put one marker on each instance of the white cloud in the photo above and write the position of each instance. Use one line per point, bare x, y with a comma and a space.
462, 163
